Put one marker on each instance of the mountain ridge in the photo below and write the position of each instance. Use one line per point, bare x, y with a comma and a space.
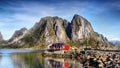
57, 30
115, 42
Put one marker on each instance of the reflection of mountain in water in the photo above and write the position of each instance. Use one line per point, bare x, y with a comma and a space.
28, 60
35, 60
5, 61
18, 62
62, 63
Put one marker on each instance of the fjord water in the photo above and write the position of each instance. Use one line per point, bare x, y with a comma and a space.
15, 58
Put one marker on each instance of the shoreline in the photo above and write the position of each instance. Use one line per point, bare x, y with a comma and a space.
97, 59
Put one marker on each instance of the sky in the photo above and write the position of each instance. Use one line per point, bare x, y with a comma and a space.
104, 15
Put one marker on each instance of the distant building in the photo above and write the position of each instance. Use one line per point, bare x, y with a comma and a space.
58, 47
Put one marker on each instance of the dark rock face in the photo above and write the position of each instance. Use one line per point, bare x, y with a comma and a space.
17, 36
69, 31
1, 38
81, 28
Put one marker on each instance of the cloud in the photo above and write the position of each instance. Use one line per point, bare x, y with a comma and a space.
114, 37
39, 9
16, 15
2, 25
116, 4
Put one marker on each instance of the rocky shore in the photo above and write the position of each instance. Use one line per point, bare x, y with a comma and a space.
91, 59
100, 59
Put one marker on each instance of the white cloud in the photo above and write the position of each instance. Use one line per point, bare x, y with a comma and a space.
113, 37
25, 15
2, 24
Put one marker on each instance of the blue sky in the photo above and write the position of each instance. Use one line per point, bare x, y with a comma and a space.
104, 15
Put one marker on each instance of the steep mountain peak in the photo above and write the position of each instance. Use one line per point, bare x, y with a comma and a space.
81, 21
23, 29
76, 15
81, 28
48, 30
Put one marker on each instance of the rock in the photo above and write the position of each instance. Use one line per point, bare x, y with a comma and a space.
57, 30
81, 28
1, 37
17, 36
117, 66
49, 30
103, 39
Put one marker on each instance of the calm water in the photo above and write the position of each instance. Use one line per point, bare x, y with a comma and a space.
13, 58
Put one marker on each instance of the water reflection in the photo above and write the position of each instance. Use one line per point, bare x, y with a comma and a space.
27, 60
58, 63
55, 64
35, 60
6, 62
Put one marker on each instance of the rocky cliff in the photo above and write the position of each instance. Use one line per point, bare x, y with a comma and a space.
1, 38
17, 36
48, 30
55, 29
81, 28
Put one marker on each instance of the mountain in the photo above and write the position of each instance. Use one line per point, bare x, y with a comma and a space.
81, 28
17, 36
2, 41
57, 30
115, 42
1, 38
48, 30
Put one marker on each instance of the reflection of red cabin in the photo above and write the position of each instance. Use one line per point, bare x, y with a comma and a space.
58, 46
58, 64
